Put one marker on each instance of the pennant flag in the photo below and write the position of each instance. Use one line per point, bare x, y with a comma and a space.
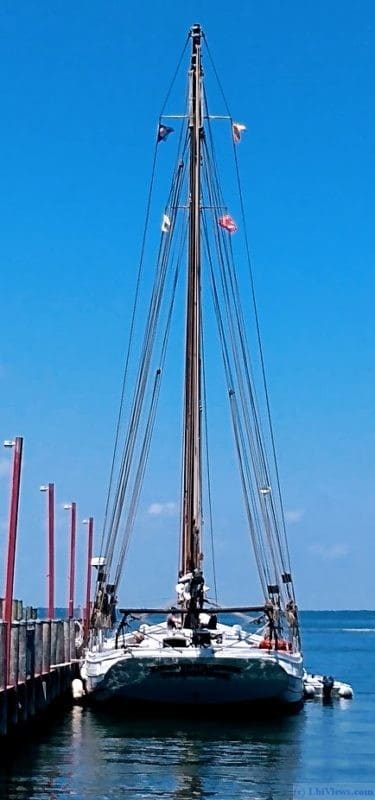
163, 132
237, 130
228, 223
166, 224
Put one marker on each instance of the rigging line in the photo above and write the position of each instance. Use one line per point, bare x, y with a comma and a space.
163, 252
252, 494
269, 533
209, 493
129, 448
276, 526
151, 420
213, 166
262, 453
262, 565
240, 323
233, 339
244, 347
181, 250
141, 383
238, 311
227, 368
230, 300
135, 305
254, 502
134, 426
175, 75
139, 397
138, 478
182, 147
223, 258
260, 345
255, 311
181, 151
255, 536
217, 78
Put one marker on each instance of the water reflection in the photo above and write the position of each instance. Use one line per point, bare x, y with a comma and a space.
183, 758
30, 763
96, 755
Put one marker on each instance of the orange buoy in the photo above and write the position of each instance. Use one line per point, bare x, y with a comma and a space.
280, 644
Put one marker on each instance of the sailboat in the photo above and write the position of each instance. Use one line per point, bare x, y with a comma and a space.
194, 652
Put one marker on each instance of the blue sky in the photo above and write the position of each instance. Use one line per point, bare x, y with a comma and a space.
82, 87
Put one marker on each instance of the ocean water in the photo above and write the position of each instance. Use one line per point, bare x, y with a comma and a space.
325, 751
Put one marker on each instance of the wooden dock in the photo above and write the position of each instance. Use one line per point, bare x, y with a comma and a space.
37, 667
39, 658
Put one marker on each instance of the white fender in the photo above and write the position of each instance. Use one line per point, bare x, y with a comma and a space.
77, 689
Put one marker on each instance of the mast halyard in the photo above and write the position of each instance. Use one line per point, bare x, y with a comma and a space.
192, 469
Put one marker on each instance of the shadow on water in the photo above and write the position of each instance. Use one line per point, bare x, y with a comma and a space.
99, 755
193, 726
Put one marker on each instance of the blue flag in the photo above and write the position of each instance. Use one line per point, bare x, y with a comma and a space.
163, 132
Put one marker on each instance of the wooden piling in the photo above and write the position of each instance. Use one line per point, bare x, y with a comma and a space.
60, 657
67, 641
53, 642
41, 669
3, 653
30, 650
14, 654
38, 647
3, 712
21, 652
46, 653
73, 653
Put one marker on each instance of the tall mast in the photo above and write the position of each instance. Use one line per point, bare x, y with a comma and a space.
192, 475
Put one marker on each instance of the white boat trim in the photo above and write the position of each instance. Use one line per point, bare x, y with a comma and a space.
231, 670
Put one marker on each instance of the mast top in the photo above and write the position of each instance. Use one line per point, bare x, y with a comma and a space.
196, 33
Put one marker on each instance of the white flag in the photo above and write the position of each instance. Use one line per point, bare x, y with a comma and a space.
166, 224
237, 130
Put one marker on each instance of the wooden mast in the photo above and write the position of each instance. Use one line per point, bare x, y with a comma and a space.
192, 472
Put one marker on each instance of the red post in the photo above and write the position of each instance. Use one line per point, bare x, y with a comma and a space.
51, 551
73, 523
12, 540
89, 568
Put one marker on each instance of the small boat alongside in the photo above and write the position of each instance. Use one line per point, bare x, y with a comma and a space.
325, 687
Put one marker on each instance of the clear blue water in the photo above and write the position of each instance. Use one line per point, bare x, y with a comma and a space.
326, 748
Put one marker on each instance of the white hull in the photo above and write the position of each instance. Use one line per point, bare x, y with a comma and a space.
229, 672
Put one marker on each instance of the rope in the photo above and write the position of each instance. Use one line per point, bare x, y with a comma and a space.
208, 470
130, 343
174, 76
261, 353
141, 383
150, 424
259, 339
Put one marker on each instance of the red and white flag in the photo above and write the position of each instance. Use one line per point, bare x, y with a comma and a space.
237, 131
227, 222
